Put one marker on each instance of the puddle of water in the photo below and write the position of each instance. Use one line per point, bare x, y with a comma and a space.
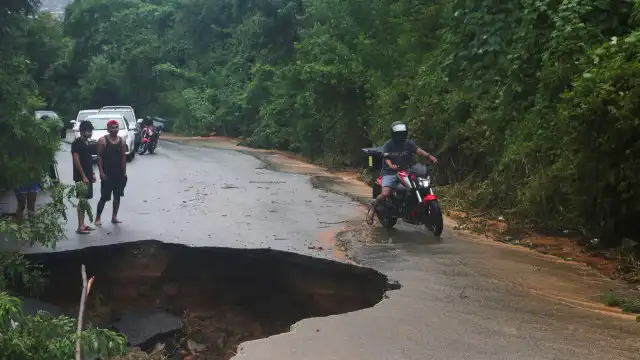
356, 191
401, 234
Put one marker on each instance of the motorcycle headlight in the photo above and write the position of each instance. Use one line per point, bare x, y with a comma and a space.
424, 182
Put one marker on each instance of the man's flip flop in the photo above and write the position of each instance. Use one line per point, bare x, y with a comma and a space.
370, 219
88, 228
116, 221
82, 232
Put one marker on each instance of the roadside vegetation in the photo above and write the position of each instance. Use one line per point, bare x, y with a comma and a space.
628, 304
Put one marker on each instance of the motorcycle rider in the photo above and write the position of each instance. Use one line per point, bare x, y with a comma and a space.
146, 121
397, 153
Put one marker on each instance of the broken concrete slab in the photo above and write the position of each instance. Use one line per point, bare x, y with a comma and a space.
31, 306
143, 327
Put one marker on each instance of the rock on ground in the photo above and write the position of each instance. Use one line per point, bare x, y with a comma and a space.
137, 354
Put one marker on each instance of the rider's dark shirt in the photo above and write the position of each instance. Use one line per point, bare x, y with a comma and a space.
400, 154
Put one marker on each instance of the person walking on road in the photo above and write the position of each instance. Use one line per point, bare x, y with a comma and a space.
112, 163
83, 170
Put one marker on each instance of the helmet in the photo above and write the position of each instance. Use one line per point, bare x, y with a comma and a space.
399, 131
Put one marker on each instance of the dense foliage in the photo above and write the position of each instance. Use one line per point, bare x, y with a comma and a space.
27, 145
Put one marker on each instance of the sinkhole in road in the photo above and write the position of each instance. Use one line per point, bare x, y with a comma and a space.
220, 297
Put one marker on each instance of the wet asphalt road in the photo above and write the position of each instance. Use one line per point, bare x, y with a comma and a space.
202, 197
461, 298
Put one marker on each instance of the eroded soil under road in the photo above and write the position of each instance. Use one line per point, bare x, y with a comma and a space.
224, 296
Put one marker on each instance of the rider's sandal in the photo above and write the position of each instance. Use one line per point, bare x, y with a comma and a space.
370, 214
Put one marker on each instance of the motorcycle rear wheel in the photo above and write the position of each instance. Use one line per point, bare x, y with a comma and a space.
435, 223
387, 222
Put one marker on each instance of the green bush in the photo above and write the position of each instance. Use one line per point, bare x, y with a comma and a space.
44, 337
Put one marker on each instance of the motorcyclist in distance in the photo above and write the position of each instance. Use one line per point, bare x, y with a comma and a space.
397, 153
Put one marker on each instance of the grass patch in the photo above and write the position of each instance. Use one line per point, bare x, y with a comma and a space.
629, 265
628, 304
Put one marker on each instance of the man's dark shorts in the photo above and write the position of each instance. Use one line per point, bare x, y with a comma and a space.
89, 191
112, 186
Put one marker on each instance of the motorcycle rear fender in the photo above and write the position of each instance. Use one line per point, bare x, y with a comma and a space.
429, 198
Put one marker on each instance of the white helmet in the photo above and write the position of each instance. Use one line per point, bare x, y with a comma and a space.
399, 131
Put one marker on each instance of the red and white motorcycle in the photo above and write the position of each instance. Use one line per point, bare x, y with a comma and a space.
412, 199
150, 138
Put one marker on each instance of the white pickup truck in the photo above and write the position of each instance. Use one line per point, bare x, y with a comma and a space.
52, 116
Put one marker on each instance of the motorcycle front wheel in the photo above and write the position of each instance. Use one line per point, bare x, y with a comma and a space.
434, 221
387, 220
142, 149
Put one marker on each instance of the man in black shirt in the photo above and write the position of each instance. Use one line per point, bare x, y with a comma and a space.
83, 169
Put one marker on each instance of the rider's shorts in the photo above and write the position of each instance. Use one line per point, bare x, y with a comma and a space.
389, 180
